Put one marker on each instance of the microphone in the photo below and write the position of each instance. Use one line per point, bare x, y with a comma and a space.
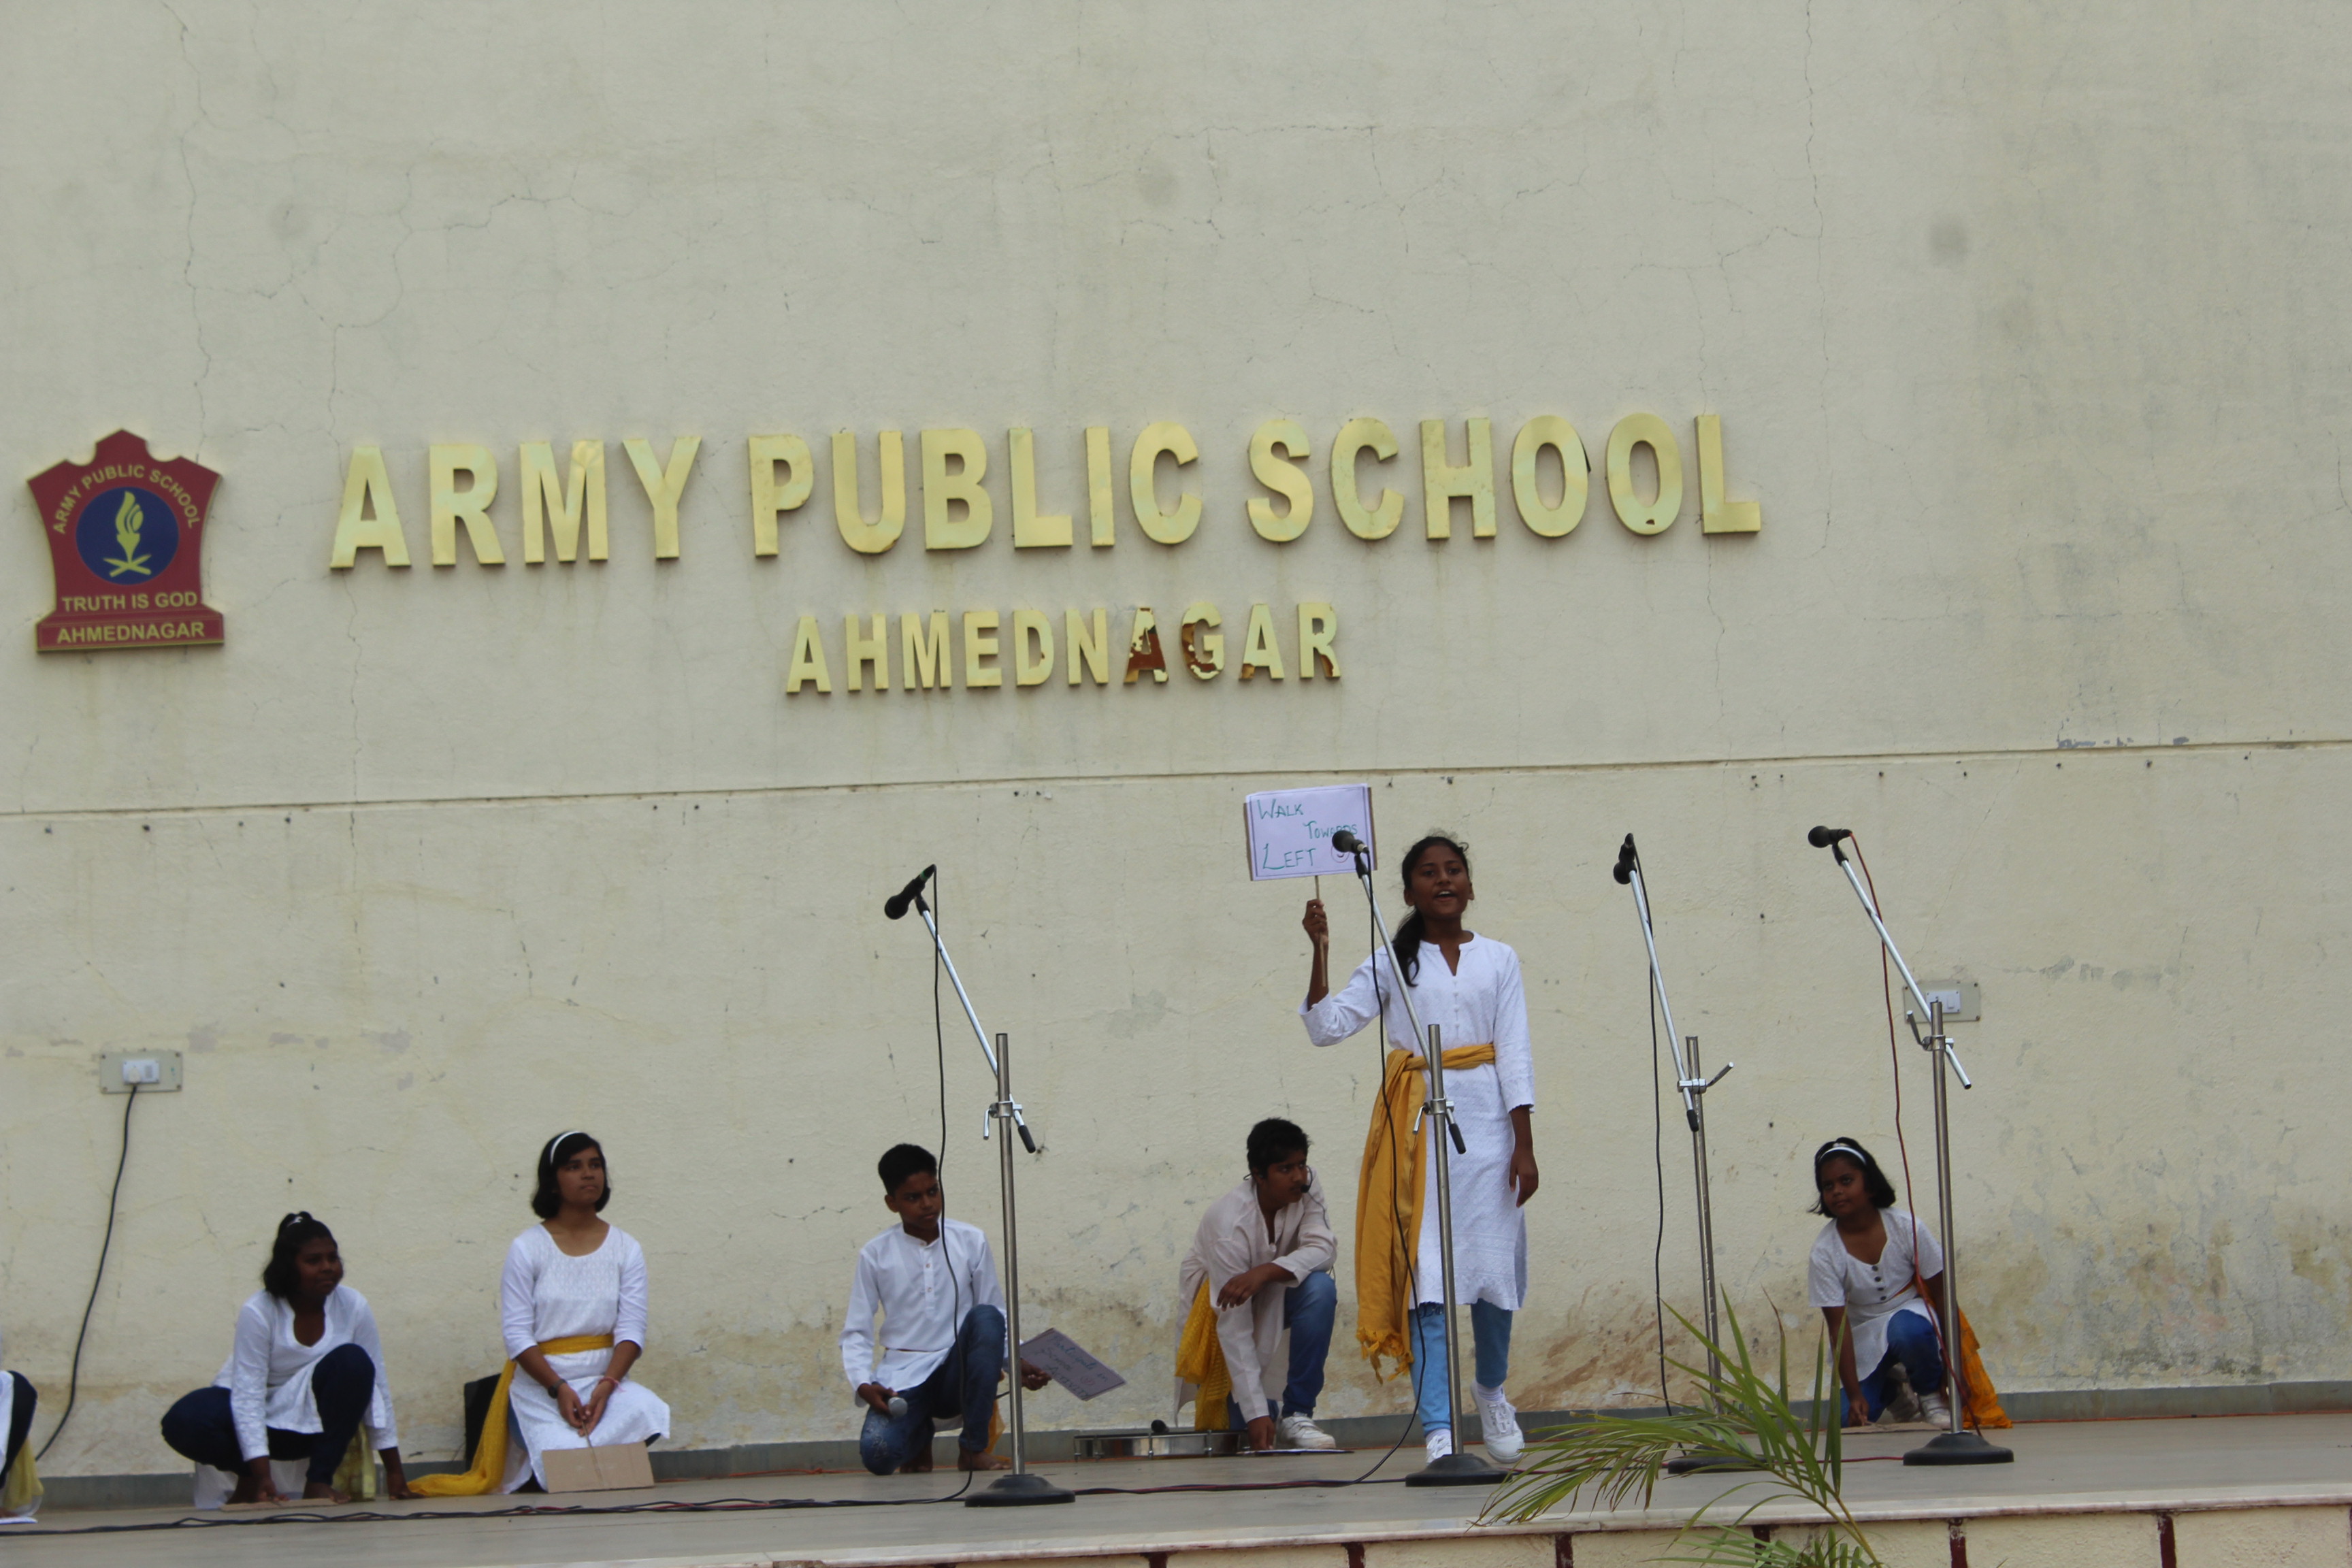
895, 907
1347, 842
898, 1406
1822, 837
1626, 860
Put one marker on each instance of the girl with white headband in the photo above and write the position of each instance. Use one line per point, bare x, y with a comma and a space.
1869, 1266
572, 1304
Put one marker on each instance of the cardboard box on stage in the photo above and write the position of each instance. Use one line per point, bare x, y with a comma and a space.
597, 1469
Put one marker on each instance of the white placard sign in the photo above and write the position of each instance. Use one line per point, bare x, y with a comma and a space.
1291, 830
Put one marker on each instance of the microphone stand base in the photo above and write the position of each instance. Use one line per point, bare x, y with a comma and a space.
1957, 1448
1021, 1490
1457, 1470
1700, 1464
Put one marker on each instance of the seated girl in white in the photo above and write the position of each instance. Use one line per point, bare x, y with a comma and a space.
1868, 1265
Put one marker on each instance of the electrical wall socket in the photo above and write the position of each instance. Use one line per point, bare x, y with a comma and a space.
1958, 997
156, 1072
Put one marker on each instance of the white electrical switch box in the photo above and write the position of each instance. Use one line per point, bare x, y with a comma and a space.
154, 1072
1958, 997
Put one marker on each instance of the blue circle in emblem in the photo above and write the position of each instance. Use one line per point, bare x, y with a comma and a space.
127, 535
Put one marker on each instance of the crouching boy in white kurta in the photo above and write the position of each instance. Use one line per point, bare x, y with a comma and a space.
1260, 1264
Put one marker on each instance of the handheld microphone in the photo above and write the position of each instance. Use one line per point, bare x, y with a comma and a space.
1347, 842
1822, 837
1626, 860
895, 907
898, 1406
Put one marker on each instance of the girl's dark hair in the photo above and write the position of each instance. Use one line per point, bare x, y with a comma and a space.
547, 1201
1271, 1140
1874, 1179
278, 1276
1407, 934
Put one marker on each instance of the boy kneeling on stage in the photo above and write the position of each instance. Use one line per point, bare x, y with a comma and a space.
1261, 1262
934, 1283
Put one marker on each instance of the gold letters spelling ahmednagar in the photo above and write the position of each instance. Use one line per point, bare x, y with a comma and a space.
126, 538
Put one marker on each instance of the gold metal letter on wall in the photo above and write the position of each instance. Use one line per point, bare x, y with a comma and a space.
1031, 529
808, 660
1717, 515
1089, 647
1203, 645
1575, 472
942, 531
1143, 649
1101, 516
1032, 629
1260, 648
664, 486
1380, 520
1319, 628
857, 652
1143, 483
549, 503
980, 643
366, 487
848, 516
1474, 481
925, 658
471, 506
769, 498
1276, 440
1658, 514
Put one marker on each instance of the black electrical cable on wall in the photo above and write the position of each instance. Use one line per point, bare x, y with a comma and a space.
73, 1379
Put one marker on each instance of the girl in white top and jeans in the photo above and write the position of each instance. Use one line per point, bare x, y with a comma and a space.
1868, 1268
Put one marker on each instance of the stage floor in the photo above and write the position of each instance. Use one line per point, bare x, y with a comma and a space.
2063, 1471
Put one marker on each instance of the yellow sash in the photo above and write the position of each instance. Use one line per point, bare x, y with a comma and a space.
1201, 1359
491, 1453
1983, 1402
1387, 1206
20, 1488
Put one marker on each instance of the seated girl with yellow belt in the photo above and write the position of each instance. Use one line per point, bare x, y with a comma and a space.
571, 1302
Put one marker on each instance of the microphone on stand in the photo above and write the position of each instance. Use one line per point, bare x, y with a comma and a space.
1347, 842
895, 906
1824, 837
1626, 860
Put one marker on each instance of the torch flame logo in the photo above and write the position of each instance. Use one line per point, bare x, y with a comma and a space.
127, 524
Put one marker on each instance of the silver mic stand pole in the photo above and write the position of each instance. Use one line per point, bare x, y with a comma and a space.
1457, 1469
1956, 1445
1016, 1487
1693, 1089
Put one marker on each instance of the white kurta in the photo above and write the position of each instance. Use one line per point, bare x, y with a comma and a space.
546, 1295
1232, 1238
1483, 1004
1872, 1293
923, 1292
268, 1373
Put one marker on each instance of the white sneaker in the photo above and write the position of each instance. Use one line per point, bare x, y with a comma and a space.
1499, 1423
1439, 1441
1933, 1410
1300, 1432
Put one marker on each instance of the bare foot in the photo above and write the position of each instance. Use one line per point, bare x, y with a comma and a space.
968, 1460
321, 1491
918, 1462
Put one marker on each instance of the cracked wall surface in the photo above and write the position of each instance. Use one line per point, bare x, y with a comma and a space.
2024, 324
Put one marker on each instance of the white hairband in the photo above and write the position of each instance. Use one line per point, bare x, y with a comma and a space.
557, 1141
1860, 1158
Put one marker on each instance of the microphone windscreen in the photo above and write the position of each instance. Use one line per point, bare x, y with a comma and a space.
898, 1406
1820, 838
1347, 842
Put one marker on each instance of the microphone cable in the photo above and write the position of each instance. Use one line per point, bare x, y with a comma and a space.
113, 1200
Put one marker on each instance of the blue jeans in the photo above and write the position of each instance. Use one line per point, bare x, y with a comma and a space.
1910, 1340
1490, 1332
202, 1427
965, 1383
1308, 1310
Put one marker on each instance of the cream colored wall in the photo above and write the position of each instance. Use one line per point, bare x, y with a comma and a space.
2024, 325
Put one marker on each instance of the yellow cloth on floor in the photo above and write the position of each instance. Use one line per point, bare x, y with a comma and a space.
20, 1488
491, 1453
1983, 1408
1201, 1361
1388, 1205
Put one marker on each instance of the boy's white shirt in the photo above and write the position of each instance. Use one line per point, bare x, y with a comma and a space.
922, 1292
1232, 1240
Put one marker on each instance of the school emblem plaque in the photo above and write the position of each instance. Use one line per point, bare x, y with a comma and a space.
126, 548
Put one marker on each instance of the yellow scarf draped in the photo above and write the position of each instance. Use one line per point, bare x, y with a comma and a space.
20, 1488
1201, 1359
491, 1453
1983, 1404
1387, 1206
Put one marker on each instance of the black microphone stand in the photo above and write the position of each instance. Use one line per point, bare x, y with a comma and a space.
1457, 1469
1957, 1445
1017, 1488
1693, 1089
